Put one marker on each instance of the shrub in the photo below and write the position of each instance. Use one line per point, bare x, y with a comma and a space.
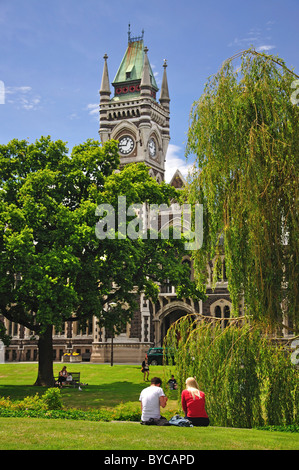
49, 406
52, 399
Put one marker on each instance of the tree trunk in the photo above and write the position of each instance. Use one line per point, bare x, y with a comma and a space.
45, 376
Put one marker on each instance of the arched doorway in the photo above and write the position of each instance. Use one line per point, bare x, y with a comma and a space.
167, 316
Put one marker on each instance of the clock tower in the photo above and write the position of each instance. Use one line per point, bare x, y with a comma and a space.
133, 116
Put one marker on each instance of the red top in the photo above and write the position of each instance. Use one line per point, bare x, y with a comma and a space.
194, 408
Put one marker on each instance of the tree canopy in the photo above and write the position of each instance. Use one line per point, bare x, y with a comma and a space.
53, 267
244, 133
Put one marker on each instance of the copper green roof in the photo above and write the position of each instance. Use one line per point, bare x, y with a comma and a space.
130, 69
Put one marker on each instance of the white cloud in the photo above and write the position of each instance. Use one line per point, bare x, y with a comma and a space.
12, 90
29, 103
156, 74
93, 108
266, 47
22, 97
175, 162
256, 38
73, 116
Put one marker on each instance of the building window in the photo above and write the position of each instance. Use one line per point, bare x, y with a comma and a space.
217, 312
59, 332
12, 328
221, 272
221, 309
83, 330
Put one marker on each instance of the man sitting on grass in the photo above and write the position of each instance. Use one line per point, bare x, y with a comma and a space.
152, 398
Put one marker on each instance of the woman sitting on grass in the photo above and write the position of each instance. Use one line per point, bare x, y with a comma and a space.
193, 404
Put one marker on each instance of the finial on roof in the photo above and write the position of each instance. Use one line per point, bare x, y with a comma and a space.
145, 84
164, 97
134, 39
105, 87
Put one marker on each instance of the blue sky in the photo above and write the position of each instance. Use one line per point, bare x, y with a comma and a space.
51, 57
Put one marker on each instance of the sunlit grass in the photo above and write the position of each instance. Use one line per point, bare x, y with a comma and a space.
37, 434
108, 387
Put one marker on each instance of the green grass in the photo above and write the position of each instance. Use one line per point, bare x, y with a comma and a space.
37, 434
107, 387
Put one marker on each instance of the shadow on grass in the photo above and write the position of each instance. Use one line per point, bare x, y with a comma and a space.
19, 392
89, 397
106, 395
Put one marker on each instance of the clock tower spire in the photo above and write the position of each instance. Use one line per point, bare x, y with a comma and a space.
133, 116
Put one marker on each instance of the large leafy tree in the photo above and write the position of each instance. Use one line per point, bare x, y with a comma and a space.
53, 267
244, 133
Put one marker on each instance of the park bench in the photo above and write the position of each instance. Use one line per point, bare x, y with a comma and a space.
73, 380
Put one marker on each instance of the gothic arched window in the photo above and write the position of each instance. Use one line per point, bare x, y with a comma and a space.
221, 309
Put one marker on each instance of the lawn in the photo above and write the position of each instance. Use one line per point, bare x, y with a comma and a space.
42, 434
107, 387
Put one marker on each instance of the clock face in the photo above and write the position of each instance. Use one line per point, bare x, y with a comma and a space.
126, 145
152, 148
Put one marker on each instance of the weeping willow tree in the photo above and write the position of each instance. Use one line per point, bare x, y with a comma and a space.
248, 380
244, 133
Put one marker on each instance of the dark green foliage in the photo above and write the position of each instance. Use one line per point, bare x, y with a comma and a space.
53, 267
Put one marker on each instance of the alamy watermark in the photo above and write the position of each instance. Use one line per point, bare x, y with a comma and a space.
295, 95
2, 92
148, 221
295, 354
